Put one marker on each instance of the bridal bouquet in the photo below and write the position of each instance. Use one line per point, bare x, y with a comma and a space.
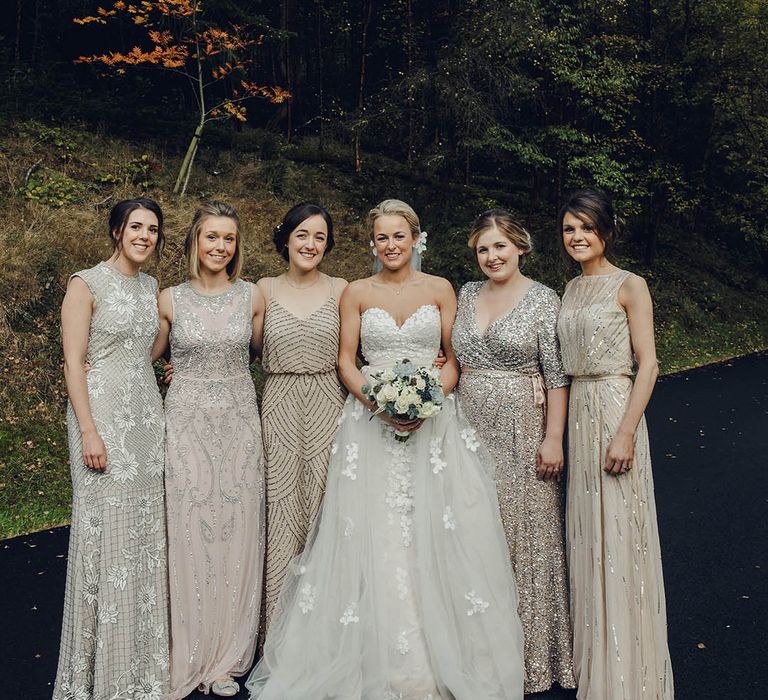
405, 391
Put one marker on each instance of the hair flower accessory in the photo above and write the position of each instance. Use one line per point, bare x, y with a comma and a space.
421, 243
373, 248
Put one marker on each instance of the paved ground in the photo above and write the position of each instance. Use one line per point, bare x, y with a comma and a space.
709, 435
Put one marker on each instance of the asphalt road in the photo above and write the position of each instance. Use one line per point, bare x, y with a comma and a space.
709, 437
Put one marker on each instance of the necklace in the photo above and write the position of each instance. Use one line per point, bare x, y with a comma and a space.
397, 290
296, 286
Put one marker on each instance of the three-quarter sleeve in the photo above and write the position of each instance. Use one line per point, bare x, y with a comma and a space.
550, 360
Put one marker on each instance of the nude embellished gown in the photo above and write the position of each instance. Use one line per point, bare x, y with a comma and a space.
617, 589
215, 488
505, 372
302, 401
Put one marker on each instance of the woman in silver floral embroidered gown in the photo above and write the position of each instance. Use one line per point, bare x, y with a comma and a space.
214, 472
114, 638
506, 342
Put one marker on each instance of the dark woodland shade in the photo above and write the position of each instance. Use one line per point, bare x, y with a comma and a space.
118, 218
595, 207
292, 220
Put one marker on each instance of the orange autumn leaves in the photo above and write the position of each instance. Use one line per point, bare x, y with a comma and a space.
183, 42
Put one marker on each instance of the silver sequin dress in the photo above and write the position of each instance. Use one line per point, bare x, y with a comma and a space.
617, 590
505, 372
114, 637
215, 488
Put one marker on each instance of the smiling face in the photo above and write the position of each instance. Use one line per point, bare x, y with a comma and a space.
138, 239
307, 243
216, 243
581, 239
393, 241
498, 257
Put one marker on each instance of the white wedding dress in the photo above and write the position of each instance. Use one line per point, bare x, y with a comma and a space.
405, 589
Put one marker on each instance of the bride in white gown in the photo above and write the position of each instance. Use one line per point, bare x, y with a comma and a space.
404, 590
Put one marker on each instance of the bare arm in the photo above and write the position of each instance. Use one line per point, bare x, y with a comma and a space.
258, 309
549, 457
636, 300
76, 312
349, 339
165, 309
446, 302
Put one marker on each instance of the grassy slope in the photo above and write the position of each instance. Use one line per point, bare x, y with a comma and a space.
56, 187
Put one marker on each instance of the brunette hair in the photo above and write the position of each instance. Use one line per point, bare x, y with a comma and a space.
395, 207
292, 220
593, 207
191, 242
506, 225
121, 212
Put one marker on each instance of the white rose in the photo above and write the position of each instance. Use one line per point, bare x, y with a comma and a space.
421, 384
387, 375
402, 404
386, 393
428, 410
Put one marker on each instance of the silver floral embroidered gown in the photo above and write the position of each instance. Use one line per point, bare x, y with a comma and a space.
404, 591
114, 638
214, 481
617, 589
505, 372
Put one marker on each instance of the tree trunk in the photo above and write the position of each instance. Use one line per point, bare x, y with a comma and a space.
189, 158
360, 88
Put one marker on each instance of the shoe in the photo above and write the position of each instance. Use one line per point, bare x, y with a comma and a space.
225, 688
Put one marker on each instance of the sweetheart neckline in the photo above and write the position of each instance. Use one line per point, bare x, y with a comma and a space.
392, 318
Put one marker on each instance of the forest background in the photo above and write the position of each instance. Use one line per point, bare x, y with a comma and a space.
456, 106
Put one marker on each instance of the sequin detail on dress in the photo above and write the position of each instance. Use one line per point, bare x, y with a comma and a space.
499, 397
617, 589
215, 488
114, 637
300, 409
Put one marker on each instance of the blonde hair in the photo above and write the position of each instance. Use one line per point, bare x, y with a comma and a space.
205, 211
506, 225
395, 207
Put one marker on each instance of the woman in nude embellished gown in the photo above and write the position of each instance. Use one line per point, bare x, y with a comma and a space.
114, 636
214, 470
617, 588
303, 396
506, 343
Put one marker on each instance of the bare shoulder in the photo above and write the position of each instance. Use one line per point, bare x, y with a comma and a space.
78, 288
357, 288
339, 284
439, 285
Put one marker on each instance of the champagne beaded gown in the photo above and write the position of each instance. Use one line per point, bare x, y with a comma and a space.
114, 636
404, 590
300, 409
215, 488
617, 589
505, 372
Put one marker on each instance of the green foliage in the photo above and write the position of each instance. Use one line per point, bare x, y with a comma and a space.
52, 188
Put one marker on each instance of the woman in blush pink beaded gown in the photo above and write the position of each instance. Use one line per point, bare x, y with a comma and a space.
214, 475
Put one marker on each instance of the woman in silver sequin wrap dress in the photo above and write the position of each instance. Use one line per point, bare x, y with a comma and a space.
214, 476
507, 371
614, 558
114, 637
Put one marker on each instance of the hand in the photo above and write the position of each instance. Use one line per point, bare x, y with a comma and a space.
441, 359
549, 460
620, 453
168, 370
94, 451
404, 426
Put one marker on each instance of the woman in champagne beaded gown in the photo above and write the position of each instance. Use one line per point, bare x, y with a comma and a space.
513, 390
404, 590
114, 636
214, 475
617, 588
303, 396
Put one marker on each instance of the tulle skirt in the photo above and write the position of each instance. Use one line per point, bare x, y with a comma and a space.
405, 589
